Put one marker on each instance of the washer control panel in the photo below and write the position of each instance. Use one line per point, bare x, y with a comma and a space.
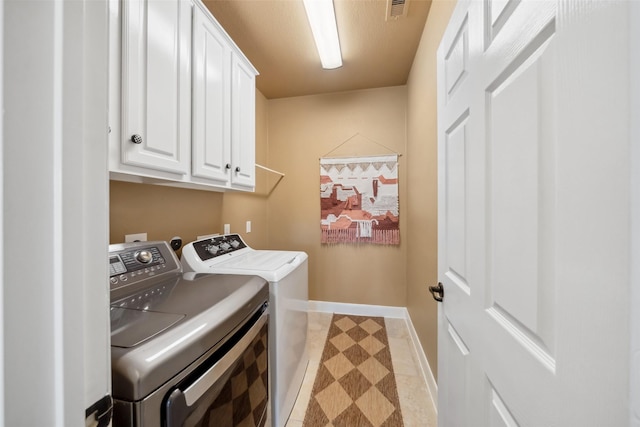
133, 262
218, 246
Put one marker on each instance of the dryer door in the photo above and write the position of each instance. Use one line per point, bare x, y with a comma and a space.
230, 387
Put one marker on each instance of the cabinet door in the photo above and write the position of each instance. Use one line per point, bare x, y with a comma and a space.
156, 84
211, 155
243, 119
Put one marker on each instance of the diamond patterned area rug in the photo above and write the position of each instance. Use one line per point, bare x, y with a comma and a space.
355, 385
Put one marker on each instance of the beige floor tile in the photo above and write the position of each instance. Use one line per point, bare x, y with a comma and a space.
315, 344
300, 407
317, 334
402, 357
415, 402
319, 320
396, 328
268, 421
294, 423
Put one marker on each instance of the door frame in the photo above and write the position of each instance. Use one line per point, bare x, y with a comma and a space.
55, 207
634, 347
2, 411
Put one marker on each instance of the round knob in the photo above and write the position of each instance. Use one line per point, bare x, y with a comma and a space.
228, 166
144, 256
136, 139
212, 249
237, 168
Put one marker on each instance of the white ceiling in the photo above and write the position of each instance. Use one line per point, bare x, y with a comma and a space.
275, 36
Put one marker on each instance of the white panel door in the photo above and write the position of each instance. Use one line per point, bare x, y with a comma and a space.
459, 345
156, 84
243, 123
534, 214
211, 102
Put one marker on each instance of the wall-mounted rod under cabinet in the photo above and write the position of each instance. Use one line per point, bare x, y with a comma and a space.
281, 175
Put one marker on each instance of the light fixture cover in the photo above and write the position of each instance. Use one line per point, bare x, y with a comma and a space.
322, 20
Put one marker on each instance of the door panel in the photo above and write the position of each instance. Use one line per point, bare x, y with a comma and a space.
455, 154
521, 142
497, 13
520, 256
529, 175
499, 414
456, 60
456, 375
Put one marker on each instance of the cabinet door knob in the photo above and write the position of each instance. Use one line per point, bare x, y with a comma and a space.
136, 139
237, 168
228, 166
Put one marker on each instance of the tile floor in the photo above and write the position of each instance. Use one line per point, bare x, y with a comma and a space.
415, 401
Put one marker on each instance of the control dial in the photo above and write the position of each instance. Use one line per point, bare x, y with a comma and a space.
212, 249
144, 256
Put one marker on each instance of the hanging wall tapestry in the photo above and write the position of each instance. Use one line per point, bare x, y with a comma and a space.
359, 200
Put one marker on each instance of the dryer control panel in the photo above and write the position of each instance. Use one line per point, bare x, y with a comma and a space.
218, 246
131, 263
136, 260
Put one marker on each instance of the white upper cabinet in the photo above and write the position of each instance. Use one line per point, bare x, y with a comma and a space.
156, 84
243, 122
211, 100
184, 111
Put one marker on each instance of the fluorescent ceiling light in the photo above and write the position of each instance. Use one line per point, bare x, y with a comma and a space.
322, 20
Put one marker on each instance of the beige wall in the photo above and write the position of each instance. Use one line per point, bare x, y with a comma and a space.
303, 129
422, 192
164, 212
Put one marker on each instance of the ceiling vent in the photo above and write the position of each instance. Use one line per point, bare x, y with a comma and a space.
397, 9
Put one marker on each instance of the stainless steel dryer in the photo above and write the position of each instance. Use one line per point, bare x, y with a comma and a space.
185, 350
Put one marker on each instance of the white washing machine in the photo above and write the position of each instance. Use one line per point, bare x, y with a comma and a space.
287, 274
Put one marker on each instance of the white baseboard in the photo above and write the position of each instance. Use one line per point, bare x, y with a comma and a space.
427, 373
358, 309
385, 311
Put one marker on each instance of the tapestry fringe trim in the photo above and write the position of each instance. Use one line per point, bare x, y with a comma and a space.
353, 235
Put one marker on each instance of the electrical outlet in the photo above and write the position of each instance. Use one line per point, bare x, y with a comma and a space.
138, 237
227, 228
248, 226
